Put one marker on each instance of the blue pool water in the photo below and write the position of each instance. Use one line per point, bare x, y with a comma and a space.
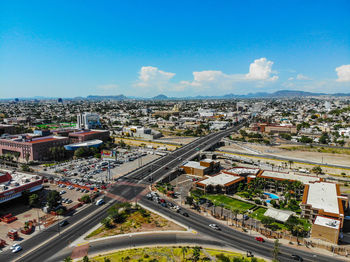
272, 196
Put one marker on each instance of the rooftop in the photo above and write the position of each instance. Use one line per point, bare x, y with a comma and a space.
327, 222
323, 195
242, 170
221, 179
194, 164
290, 176
16, 180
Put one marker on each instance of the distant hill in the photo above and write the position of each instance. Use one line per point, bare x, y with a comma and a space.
160, 97
118, 97
121, 97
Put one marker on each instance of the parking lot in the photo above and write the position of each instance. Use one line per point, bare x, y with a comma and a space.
96, 170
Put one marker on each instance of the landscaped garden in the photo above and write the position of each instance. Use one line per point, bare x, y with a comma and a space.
164, 254
229, 202
126, 218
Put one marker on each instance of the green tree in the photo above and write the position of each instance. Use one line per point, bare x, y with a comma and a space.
85, 199
53, 198
106, 222
86, 259
276, 250
68, 259
196, 253
184, 252
106, 259
189, 200
33, 200
317, 170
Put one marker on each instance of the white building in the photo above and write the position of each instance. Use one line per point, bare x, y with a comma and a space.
88, 121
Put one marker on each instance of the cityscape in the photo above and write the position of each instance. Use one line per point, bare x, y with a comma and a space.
101, 163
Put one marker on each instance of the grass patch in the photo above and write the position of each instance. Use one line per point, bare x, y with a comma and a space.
259, 213
164, 254
136, 222
229, 202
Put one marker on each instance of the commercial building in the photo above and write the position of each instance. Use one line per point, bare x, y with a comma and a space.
13, 185
220, 183
30, 148
291, 176
326, 229
204, 167
85, 135
91, 143
88, 121
274, 129
323, 199
141, 132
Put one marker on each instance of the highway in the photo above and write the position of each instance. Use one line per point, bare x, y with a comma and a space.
81, 222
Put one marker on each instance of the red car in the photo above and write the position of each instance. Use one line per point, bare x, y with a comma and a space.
260, 239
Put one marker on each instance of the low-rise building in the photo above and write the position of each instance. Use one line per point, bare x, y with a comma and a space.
13, 185
323, 199
204, 167
326, 229
82, 136
220, 183
27, 148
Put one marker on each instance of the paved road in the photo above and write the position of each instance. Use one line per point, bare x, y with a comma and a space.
199, 223
141, 175
235, 238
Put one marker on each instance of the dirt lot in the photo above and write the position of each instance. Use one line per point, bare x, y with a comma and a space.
136, 223
25, 213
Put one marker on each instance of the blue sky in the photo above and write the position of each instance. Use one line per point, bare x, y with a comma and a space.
178, 48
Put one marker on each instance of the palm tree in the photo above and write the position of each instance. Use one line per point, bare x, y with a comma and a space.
184, 252
235, 212
290, 163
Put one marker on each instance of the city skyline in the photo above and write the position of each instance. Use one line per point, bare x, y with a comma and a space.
187, 49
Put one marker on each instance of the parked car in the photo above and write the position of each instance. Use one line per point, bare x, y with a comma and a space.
185, 214
100, 202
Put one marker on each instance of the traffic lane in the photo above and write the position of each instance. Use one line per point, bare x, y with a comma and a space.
64, 239
106, 246
46, 234
201, 223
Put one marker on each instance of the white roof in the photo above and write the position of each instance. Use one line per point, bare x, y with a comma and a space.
279, 215
220, 179
324, 196
194, 164
240, 170
327, 222
291, 176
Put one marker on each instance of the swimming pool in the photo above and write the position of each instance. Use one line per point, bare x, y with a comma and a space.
272, 196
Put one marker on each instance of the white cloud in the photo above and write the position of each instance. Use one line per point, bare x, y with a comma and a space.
302, 77
150, 76
343, 73
261, 69
291, 78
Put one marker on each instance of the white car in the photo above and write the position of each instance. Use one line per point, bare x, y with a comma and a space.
14, 246
16, 249
214, 226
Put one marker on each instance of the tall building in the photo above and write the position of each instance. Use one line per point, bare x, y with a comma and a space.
88, 121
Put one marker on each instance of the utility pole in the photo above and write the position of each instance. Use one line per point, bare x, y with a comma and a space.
38, 219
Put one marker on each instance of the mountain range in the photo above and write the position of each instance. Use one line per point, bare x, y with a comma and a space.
121, 97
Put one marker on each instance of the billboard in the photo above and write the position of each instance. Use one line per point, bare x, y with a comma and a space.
108, 154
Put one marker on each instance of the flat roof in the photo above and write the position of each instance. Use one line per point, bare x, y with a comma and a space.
243, 170
41, 140
194, 164
87, 143
221, 179
280, 215
323, 195
327, 222
290, 176
18, 180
